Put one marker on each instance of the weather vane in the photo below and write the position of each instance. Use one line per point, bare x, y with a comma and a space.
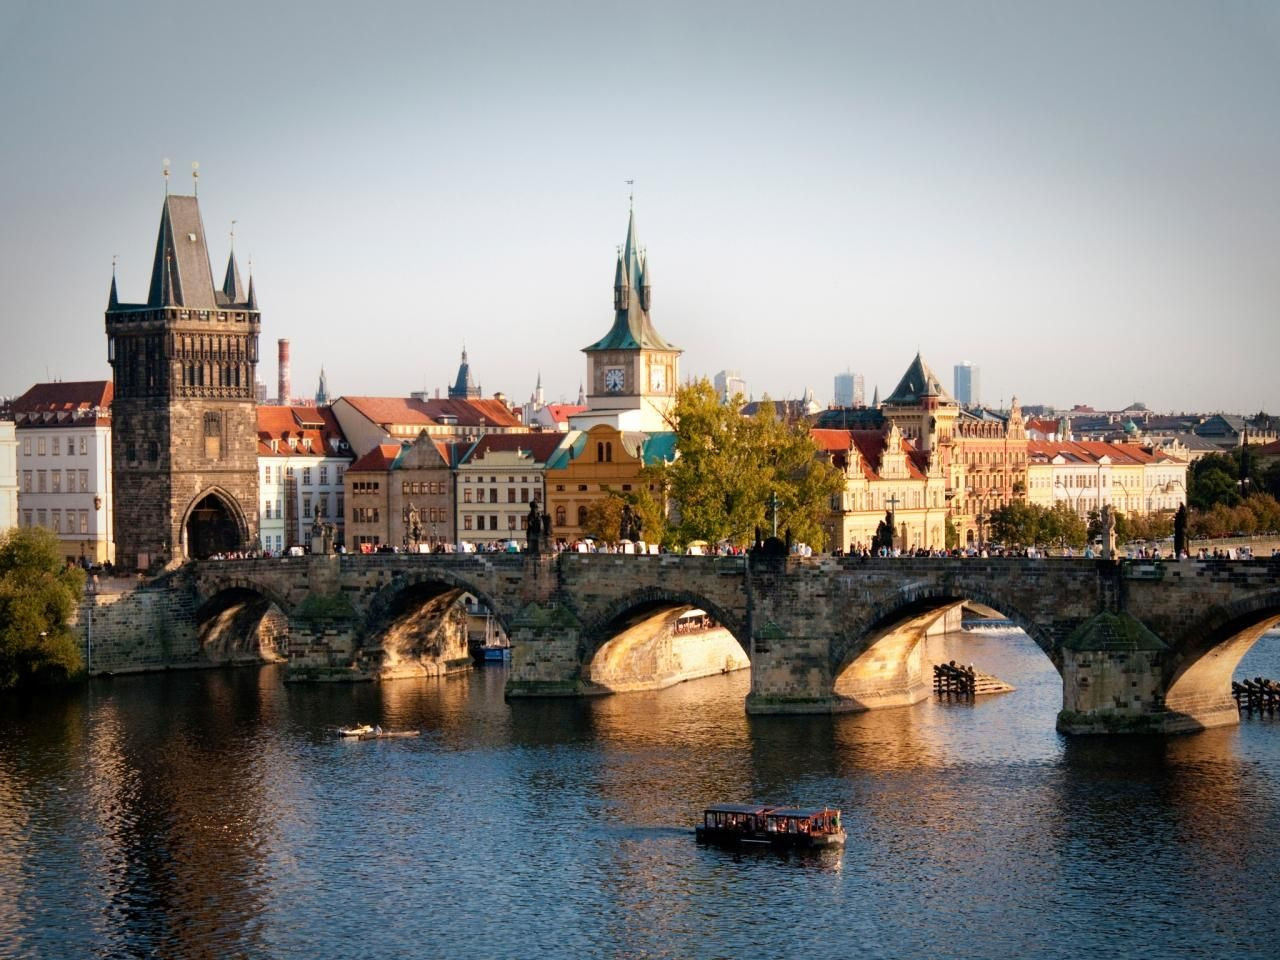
195, 178
166, 176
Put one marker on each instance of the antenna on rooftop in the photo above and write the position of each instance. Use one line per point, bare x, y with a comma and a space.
195, 177
166, 176
632, 198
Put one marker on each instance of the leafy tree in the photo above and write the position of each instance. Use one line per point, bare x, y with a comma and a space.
38, 594
604, 516
731, 467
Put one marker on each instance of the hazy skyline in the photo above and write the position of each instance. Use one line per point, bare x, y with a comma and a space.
1081, 199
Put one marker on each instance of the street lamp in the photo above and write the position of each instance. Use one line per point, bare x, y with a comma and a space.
1074, 504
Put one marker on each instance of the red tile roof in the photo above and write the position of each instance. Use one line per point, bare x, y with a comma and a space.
410, 410
65, 403
317, 424
377, 460
871, 446
1088, 451
561, 412
540, 446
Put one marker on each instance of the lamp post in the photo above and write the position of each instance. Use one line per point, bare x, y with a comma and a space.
1073, 503
97, 532
89, 591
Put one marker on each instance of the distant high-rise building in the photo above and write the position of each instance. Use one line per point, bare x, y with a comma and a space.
967, 380
729, 383
849, 390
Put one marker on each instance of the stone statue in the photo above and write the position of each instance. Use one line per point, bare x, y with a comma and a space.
1108, 532
1180, 532
534, 524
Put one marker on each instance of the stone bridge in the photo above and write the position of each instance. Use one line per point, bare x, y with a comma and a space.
1141, 646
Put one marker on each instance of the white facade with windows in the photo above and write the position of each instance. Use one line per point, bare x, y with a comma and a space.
302, 461
64, 473
8, 476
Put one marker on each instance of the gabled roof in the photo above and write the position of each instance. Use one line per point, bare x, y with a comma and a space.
472, 412
388, 410
871, 446
916, 384
378, 460
632, 329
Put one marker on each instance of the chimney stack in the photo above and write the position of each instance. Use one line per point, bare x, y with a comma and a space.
285, 388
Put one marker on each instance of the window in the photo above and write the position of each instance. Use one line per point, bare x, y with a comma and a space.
493, 521
55, 521
306, 506
582, 516
466, 495
466, 523
341, 506
306, 476
84, 446
324, 475
559, 516
84, 521
493, 494
42, 518
266, 509
26, 518
480, 521
524, 495
40, 451
266, 473
26, 482
71, 480
480, 495
57, 446
337, 474
511, 521
511, 494
559, 488
582, 488
40, 484
26, 451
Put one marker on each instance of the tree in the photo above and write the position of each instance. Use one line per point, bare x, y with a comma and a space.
38, 594
731, 467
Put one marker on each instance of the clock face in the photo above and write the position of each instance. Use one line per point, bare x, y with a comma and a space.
657, 379
613, 379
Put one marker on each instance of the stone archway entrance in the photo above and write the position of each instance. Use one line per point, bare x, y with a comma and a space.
212, 527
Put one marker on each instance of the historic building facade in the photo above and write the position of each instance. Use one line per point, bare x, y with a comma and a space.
63, 431
402, 496
8, 476
1087, 475
884, 474
498, 477
303, 458
185, 439
632, 372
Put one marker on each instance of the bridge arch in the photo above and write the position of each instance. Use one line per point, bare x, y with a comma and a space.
425, 586
1210, 648
630, 643
214, 522
238, 619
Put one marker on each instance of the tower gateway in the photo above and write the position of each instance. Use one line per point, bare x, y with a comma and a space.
184, 443
631, 372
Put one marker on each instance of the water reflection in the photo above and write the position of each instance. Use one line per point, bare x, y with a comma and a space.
215, 814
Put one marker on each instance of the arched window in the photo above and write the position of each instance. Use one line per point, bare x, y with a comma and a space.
560, 516
582, 516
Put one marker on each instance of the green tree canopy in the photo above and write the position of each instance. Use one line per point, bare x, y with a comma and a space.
38, 594
731, 467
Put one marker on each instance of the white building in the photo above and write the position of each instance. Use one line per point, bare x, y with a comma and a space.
8, 476
64, 465
729, 384
849, 390
302, 459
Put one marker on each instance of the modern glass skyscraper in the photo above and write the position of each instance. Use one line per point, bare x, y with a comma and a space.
967, 380
849, 390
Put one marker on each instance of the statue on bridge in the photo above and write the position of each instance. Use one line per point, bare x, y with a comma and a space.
1180, 532
885, 535
534, 527
629, 527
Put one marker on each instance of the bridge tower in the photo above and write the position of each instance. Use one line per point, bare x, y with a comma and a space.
184, 444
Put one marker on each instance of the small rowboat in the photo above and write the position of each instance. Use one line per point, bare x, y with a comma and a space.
356, 731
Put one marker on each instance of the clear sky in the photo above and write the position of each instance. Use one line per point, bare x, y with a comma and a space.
1081, 198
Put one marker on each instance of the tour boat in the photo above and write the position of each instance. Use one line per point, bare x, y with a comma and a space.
356, 731
740, 824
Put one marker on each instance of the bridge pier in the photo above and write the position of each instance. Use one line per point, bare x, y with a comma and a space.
546, 655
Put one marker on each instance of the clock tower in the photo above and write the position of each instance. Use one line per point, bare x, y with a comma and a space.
631, 372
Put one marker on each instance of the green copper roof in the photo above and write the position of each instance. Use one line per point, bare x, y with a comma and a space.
632, 329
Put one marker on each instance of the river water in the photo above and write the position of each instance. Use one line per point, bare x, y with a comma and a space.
214, 814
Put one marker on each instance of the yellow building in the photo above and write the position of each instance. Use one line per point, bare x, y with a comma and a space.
884, 473
591, 464
1088, 475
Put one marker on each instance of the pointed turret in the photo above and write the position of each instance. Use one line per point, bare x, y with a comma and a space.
113, 300
181, 274
464, 387
875, 398
231, 287
582, 395
322, 390
646, 284
253, 295
621, 286
632, 329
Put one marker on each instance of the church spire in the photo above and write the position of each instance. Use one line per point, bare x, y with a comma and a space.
231, 287
632, 329
113, 300
253, 295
